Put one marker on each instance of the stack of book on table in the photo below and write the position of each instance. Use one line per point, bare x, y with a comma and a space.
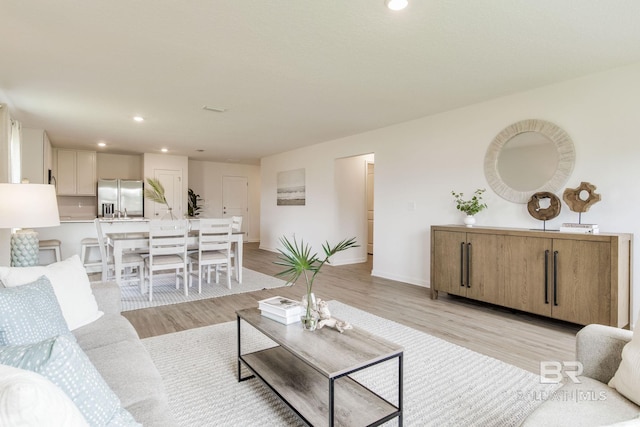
281, 309
579, 228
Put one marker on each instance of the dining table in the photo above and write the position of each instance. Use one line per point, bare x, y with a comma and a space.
139, 241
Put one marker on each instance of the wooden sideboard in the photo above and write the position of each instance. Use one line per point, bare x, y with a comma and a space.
579, 278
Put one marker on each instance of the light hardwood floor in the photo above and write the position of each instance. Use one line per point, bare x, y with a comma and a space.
514, 337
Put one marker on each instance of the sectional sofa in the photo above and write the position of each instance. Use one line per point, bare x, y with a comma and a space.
73, 335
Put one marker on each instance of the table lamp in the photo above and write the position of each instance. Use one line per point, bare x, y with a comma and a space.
27, 206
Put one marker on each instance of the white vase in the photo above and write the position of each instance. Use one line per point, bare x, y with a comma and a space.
469, 220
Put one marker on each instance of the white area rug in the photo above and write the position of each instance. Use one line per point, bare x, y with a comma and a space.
165, 292
444, 384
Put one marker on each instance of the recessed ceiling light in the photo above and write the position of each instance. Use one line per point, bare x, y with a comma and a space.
138, 119
102, 144
396, 4
164, 150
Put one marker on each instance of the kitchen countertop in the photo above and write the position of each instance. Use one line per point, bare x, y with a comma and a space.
68, 219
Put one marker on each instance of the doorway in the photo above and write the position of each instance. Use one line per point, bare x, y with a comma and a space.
171, 180
354, 204
369, 197
235, 197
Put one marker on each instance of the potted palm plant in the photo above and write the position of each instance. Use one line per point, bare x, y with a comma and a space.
299, 261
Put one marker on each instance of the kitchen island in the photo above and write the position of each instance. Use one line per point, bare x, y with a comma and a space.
72, 230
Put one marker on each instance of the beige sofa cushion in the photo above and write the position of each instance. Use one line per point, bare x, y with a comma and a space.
590, 403
627, 377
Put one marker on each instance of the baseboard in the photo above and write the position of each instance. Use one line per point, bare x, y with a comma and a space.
399, 278
267, 249
349, 261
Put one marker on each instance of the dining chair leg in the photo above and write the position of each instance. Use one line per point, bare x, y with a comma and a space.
150, 285
228, 276
184, 280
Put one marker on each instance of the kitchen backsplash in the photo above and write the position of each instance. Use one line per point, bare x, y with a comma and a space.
77, 207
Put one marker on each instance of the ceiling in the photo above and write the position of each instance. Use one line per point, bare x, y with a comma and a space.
290, 73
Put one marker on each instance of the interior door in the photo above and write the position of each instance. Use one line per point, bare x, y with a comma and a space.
235, 196
171, 180
369, 190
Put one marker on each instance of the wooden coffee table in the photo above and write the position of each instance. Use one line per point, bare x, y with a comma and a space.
309, 371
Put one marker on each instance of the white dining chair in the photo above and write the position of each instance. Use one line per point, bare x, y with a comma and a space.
214, 249
129, 261
167, 250
236, 227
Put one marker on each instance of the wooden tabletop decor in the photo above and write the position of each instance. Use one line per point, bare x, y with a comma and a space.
544, 214
571, 197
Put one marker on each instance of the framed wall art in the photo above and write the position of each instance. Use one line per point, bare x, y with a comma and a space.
291, 188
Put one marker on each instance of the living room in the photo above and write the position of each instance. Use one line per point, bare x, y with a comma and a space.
420, 159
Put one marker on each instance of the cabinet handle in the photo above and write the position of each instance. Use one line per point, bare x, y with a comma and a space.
468, 265
546, 276
462, 264
555, 277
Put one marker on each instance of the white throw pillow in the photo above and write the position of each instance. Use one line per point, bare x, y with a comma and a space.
70, 283
627, 377
29, 399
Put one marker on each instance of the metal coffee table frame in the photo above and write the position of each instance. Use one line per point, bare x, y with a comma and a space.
281, 367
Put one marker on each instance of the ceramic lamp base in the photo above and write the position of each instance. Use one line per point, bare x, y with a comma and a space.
25, 248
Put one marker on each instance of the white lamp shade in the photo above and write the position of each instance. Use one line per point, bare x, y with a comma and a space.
28, 206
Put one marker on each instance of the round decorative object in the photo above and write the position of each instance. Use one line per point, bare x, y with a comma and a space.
469, 220
572, 197
518, 143
540, 213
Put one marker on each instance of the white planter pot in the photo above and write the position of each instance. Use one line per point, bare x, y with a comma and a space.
469, 220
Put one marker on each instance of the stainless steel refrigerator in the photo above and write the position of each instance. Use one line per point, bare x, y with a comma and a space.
116, 195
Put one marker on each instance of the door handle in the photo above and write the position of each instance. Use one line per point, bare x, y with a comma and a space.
468, 265
555, 277
546, 276
462, 264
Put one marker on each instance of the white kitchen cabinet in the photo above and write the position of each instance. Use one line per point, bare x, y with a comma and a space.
36, 156
76, 172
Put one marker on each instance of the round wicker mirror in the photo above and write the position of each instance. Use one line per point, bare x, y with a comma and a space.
527, 157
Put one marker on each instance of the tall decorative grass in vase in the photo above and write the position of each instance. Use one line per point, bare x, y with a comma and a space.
155, 193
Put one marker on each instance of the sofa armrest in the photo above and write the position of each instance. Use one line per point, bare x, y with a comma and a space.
599, 348
107, 296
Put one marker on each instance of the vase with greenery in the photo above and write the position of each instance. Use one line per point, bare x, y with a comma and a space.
470, 207
299, 261
155, 193
193, 209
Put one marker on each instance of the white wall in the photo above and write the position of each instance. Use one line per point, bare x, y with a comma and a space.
205, 178
422, 161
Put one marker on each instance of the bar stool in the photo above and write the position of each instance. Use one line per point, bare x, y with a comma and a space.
51, 245
85, 249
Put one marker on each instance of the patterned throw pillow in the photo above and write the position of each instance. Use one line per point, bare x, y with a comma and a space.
70, 284
62, 362
29, 399
30, 313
